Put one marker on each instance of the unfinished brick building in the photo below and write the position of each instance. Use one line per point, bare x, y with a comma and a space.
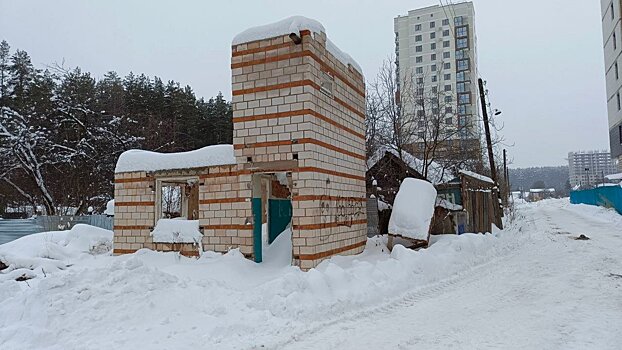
298, 156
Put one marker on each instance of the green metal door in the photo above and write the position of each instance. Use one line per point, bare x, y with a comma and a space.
279, 216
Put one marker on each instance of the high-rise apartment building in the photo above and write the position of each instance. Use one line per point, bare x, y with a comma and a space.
612, 47
436, 59
589, 168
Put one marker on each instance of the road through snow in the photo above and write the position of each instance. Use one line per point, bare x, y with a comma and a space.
552, 292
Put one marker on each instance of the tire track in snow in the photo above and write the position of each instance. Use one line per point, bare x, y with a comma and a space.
407, 299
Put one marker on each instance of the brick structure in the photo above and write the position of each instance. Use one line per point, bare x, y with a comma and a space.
298, 114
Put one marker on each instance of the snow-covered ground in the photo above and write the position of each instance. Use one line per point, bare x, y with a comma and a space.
530, 286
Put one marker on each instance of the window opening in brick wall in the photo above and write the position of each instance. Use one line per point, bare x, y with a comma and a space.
327, 84
177, 198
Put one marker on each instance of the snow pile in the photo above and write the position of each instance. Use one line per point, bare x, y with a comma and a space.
109, 208
176, 231
477, 176
443, 203
46, 252
612, 177
290, 25
140, 160
437, 174
413, 209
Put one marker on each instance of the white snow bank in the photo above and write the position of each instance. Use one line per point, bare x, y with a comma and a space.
140, 160
50, 251
279, 252
109, 208
290, 25
617, 176
177, 231
477, 176
413, 209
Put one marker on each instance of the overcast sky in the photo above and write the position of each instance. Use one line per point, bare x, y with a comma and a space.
542, 59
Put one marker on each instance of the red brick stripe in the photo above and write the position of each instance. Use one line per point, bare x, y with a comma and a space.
291, 84
262, 49
222, 200
328, 198
329, 252
227, 227
134, 204
300, 141
328, 172
304, 53
297, 113
329, 225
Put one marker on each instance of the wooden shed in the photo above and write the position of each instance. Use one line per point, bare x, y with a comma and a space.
480, 199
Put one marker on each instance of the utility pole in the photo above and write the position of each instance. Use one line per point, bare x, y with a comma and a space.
491, 157
506, 175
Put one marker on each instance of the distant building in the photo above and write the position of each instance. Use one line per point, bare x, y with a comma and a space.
436, 51
612, 47
589, 168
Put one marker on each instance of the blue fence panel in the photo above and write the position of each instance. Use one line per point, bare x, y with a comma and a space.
607, 196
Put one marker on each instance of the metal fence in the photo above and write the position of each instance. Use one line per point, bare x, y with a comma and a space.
607, 196
66, 222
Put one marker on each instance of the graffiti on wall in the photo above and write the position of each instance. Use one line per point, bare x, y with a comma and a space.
342, 211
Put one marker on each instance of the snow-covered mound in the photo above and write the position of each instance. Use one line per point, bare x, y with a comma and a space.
109, 208
290, 25
50, 251
177, 231
477, 176
140, 160
413, 209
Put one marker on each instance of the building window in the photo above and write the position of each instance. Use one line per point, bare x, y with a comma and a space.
447, 77
418, 48
432, 35
448, 109
448, 98
419, 59
460, 87
419, 70
464, 99
434, 89
433, 68
447, 65
432, 24
460, 54
460, 76
446, 43
462, 109
445, 22
326, 86
448, 121
446, 32
418, 38
177, 198
417, 27
433, 46
461, 32
458, 21
433, 57
462, 43
419, 80
618, 99
620, 132
447, 87
446, 54
434, 78
463, 64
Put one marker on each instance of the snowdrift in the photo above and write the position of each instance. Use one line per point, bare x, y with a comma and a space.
413, 209
177, 231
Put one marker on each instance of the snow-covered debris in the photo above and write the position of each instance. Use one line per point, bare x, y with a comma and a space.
140, 160
177, 231
382, 205
290, 25
613, 177
413, 209
437, 174
109, 208
477, 176
46, 252
443, 203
